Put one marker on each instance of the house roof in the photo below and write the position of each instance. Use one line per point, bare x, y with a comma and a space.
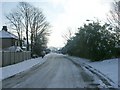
6, 34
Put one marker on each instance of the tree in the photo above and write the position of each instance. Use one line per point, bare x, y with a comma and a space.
114, 15
34, 23
15, 21
114, 19
25, 11
38, 25
93, 41
68, 35
39, 44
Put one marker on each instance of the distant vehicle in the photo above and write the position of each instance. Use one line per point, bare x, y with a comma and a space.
35, 56
43, 53
47, 51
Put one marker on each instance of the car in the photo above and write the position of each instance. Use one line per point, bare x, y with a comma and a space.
43, 53
47, 51
34, 56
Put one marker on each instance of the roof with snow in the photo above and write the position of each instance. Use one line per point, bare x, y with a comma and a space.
6, 34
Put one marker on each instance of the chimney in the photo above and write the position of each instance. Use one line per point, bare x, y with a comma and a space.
4, 28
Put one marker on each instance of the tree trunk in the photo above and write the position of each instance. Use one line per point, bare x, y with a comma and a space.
27, 37
31, 44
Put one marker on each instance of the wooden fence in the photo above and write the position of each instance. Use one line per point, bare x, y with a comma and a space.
9, 58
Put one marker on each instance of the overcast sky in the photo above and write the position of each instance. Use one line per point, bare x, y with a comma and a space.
63, 14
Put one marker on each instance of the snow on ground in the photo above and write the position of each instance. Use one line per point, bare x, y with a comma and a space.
0, 73
11, 70
108, 67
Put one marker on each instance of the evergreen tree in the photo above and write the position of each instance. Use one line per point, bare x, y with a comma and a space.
93, 41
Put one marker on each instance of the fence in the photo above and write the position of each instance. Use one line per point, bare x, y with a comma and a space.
9, 58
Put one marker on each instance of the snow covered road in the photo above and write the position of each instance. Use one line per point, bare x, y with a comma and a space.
58, 71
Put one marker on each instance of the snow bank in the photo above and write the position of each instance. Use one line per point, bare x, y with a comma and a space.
108, 67
11, 70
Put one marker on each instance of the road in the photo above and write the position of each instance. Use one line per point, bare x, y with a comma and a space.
57, 72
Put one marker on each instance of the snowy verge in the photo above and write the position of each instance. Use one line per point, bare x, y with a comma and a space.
11, 70
106, 68
109, 69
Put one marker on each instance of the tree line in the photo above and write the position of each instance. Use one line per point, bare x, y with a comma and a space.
93, 41
97, 41
31, 20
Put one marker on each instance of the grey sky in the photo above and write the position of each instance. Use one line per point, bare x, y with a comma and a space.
64, 14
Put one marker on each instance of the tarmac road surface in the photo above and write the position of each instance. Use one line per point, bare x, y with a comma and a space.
57, 72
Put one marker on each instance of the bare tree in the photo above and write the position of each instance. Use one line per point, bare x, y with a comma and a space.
15, 21
34, 23
33, 20
67, 35
114, 16
38, 25
25, 10
19, 19
114, 19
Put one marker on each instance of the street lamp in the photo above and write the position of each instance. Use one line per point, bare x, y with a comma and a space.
89, 20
